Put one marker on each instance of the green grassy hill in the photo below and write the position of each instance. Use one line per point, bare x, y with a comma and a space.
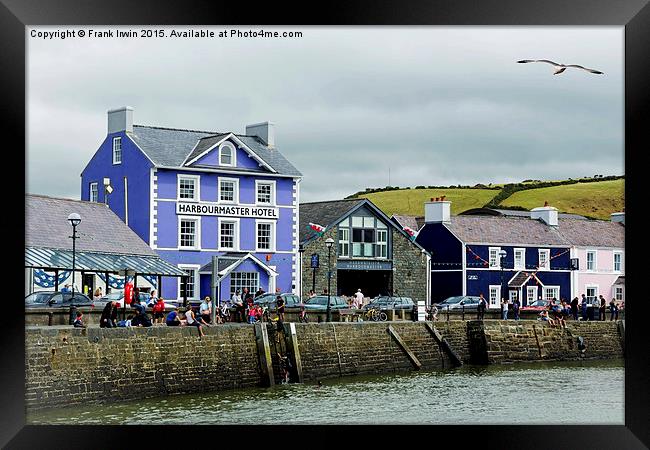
596, 199
410, 202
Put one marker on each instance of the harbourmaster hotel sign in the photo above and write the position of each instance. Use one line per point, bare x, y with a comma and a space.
215, 209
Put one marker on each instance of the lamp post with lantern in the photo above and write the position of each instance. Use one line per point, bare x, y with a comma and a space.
329, 242
75, 220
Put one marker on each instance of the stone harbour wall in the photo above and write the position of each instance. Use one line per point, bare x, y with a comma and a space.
66, 365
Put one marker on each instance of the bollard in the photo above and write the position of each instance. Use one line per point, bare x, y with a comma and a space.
463, 316
447, 313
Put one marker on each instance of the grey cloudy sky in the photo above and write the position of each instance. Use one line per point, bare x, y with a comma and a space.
436, 105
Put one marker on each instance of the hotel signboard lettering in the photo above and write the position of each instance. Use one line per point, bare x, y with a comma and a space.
364, 265
215, 209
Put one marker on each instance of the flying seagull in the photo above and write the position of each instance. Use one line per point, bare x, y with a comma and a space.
560, 67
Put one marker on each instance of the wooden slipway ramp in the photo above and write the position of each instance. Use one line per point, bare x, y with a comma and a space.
444, 345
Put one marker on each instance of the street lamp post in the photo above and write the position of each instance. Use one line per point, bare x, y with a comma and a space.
329, 242
74, 219
502, 256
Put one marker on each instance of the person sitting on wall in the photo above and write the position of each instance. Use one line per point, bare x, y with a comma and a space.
193, 321
109, 315
173, 320
141, 318
78, 322
206, 309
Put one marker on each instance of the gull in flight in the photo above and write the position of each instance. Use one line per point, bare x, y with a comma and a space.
559, 67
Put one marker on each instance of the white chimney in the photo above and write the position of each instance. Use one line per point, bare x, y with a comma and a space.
618, 217
547, 213
263, 130
120, 119
438, 210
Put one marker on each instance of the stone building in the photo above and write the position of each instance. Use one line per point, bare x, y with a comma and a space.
370, 252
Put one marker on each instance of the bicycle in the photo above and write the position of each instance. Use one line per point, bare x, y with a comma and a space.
375, 315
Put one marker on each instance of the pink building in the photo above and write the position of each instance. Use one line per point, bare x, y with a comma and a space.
599, 246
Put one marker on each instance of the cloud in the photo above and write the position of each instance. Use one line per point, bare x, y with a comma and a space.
436, 105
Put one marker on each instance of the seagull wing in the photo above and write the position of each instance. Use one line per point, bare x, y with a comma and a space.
550, 62
584, 68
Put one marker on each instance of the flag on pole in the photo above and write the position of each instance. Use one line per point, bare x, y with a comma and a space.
411, 232
319, 229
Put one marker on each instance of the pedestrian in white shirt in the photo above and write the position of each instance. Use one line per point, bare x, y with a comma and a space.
358, 299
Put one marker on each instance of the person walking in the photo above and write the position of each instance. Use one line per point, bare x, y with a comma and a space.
613, 310
280, 304
583, 307
238, 303
574, 308
515, 308
602, 308
158, 310
504, 309
358, 299
482, 305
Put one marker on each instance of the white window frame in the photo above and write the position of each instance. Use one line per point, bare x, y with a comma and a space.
381, 244
497, 264
530, 289
197, 284
232, 288
273, 192
555, 289
617, 253
595, 261
233, 151
197, 187
547, 252
117, 141
90, 192
497, 304
236, 238
197, 236
595, 298
235, 182
521, 266
273, 236
616, 288
344, 243
513, 294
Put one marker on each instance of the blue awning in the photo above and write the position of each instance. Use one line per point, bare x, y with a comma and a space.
53, 259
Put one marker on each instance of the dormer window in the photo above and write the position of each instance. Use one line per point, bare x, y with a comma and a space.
227, 155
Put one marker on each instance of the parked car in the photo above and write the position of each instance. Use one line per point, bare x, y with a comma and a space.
538, 305
385, 302
319, 303
56, 299
458, 302
269, 300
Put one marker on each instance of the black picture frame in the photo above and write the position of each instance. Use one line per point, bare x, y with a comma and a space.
634, 15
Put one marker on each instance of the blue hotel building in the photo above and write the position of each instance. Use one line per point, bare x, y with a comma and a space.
466, 255
192, 195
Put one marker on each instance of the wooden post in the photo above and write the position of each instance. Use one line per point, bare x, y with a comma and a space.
294, 351
56, 280
414, 360
264, 353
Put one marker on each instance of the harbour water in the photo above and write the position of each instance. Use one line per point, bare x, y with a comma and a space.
580, 392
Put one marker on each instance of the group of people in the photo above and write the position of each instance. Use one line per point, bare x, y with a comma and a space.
247, 311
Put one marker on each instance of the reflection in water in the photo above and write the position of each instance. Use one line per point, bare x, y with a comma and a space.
536, 393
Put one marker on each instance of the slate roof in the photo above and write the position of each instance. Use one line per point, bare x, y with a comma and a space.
519, 279
323, 213
513, 213
47, 226
523, 230
170, 146
505, 230
413, 222
597, 233
226, 260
